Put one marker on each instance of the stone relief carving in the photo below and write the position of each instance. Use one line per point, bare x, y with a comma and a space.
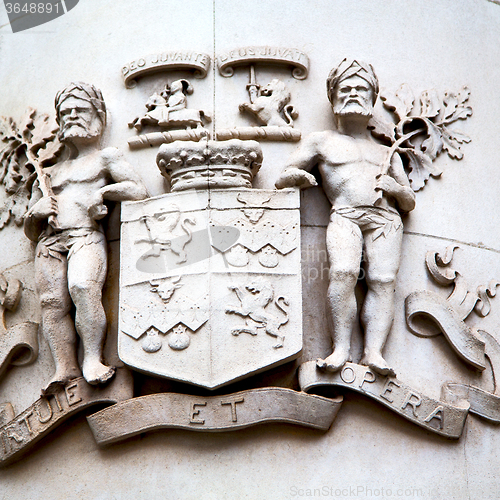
295, 58
472, 345
270, 107
64, 219
254, 299
204, 264
367, 188
421, 129
35, 422
168, 109
166, 61
18, 342
30, 144
196, 313
209, 164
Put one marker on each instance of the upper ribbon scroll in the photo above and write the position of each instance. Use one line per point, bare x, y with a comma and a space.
166, 61
275, 55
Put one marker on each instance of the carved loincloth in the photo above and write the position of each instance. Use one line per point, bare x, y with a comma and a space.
381, 221
68, 241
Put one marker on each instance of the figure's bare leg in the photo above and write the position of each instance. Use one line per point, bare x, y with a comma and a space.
87, 269
383, 256
57, 324
344, 246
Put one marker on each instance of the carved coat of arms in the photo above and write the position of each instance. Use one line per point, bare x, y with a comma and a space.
210, 286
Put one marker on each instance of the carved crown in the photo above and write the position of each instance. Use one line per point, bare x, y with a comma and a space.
209, 164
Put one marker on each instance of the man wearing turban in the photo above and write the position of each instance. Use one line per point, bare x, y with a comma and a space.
71, 253
367, 188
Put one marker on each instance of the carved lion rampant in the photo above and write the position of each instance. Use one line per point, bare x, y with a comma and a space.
271, 103
254, 299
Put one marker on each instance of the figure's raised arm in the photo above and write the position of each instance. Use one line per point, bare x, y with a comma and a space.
300, 163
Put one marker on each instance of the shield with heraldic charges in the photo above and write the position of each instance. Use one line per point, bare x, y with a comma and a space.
210, 284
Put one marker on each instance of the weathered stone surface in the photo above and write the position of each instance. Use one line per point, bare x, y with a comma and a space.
441, 45
212, 414
210, 284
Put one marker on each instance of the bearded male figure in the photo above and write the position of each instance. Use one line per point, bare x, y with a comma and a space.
71, 254
366, 186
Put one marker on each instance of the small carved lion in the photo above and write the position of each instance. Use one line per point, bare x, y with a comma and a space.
272, 101
254, 298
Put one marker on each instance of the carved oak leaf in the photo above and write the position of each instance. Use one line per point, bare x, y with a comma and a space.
8, 130
401, 103
11, 142
26, 124
461, 111
421, 168
451, 142
434, 142
381, 129
430, 103
44, 142
450, 103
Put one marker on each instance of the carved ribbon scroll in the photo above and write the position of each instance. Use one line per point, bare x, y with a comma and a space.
436, 416
214, 413
472, 345
275, 55
171, 61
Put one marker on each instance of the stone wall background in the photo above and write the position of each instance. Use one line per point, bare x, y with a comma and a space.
442, 44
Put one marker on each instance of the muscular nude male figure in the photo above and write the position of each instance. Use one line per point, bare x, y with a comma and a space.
71, 254
355, 170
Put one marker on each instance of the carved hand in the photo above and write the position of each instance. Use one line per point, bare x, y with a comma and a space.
44, 208
295, 177
387, 184
98, 210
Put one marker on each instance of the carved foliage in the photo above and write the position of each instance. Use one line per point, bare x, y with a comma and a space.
32, 139
420, 129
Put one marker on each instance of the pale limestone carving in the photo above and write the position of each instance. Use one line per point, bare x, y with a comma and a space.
209, 164
190, 327
19, 342
21, 432
166, 61
24, 146
214, 413
71, 254
426, 122
446, 418
270, 107
245, 56
169, 109
366, 186
254, 299
472, 345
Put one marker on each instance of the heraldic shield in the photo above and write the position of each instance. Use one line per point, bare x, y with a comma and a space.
210, 284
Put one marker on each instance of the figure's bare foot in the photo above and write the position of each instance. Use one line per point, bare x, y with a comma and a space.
97, 373
377, 363
59, 380
334, 362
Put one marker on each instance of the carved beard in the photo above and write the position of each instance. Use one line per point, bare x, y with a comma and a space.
80, 129
353, 107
